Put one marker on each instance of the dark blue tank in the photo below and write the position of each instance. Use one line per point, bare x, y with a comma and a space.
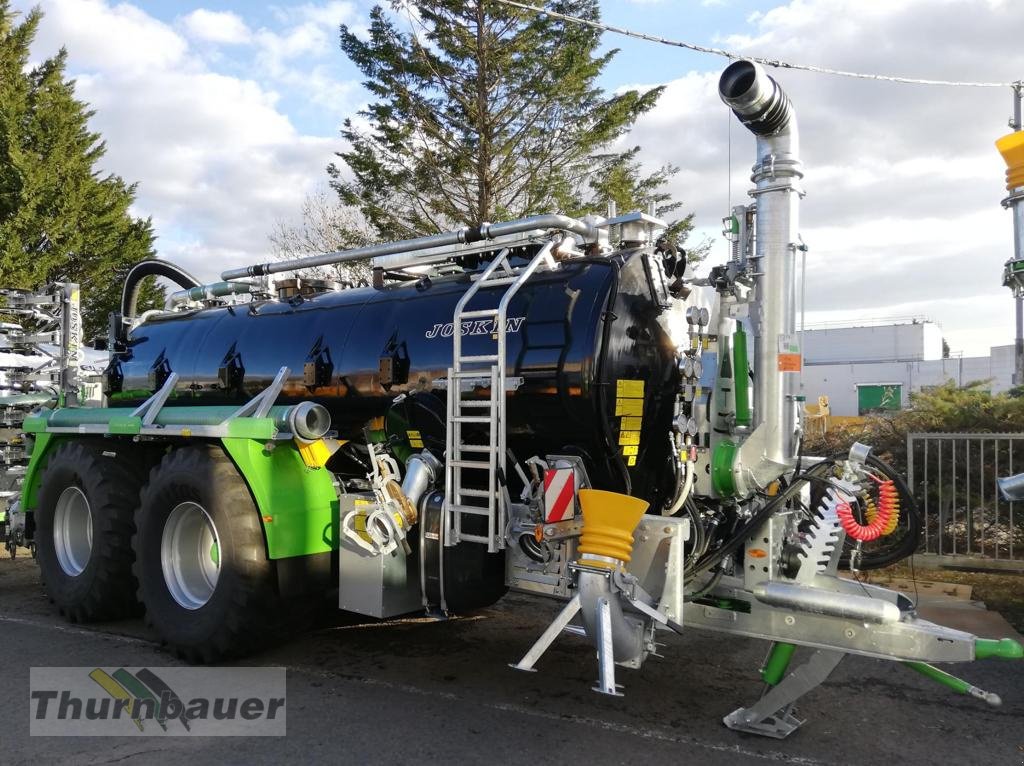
573, 335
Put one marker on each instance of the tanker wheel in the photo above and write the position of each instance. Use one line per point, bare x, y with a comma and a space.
84, 525
201, 563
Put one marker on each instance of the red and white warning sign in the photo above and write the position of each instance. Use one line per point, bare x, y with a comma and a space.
559, 494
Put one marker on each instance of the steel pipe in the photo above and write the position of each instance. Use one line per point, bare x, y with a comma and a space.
818, 601
307, 420
627, 632
464, 235
206, 292
421, 473
764, 108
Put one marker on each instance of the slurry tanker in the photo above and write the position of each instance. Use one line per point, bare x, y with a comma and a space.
548, 405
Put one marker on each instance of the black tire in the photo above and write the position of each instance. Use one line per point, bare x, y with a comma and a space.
105, 588
236, 617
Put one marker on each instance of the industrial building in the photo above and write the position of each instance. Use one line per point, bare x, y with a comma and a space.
871, 368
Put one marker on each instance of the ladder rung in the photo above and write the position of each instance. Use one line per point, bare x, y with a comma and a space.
477, 448
484, 373
479, 464
474, 402
479, 358
479, 312
470, 419
475, 493
499, 281
466, 538
472, 510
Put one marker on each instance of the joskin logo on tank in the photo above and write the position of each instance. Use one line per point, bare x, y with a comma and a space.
475, 327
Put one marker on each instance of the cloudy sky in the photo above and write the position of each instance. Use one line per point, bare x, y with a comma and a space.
226, 113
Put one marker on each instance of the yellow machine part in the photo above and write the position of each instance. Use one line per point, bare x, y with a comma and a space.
315, 454
1011, 146
608, 523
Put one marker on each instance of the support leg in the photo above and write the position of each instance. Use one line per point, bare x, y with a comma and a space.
605, 651
772, 715
548, 636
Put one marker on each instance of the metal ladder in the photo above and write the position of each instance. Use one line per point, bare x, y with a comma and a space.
490, 458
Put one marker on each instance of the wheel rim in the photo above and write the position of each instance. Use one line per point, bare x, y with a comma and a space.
72, 531
190, 555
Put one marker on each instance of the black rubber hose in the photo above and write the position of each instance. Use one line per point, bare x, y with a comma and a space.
151, 268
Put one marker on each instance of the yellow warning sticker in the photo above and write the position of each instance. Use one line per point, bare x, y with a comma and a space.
707, 342
631, 460
631, 424
629, 389
629, 437
630, 450
415, 439
694, 344
629, 407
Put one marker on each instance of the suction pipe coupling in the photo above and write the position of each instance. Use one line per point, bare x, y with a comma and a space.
421, 473
609, 520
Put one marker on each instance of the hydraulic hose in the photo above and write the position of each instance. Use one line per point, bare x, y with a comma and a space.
151, 268
880, 522
881, 554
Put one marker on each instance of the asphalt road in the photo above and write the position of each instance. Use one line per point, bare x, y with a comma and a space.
425, 692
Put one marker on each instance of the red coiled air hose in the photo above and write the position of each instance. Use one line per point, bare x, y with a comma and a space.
888, 501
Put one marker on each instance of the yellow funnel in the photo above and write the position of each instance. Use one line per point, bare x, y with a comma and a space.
1012, 148
608, 523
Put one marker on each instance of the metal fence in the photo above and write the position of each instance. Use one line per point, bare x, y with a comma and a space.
953, 477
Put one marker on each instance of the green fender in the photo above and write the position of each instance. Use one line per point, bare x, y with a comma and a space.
41, 448
299, 505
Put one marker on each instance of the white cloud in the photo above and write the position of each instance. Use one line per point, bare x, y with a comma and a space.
301, 56
330, 14
903, 183
104, 36
216, 159
217, 27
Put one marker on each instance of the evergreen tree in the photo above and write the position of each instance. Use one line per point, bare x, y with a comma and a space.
485, 112
60, 218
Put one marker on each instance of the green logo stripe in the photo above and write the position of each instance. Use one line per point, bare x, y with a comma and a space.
139, 690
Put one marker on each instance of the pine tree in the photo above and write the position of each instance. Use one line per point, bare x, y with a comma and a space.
60, 219
484, 112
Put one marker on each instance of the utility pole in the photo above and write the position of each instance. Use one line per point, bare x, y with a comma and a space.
1011, 146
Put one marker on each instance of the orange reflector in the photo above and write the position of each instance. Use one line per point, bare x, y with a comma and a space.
268, 519
757, 553
538, 533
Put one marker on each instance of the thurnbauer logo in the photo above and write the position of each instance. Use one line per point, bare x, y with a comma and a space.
475, 327
144, 698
